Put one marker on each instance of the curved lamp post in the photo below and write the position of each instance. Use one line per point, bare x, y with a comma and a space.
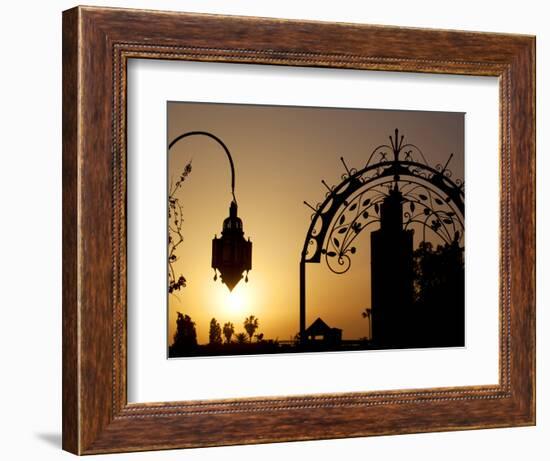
231, 253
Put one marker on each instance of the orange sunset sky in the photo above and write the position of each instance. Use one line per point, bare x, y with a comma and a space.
281, 154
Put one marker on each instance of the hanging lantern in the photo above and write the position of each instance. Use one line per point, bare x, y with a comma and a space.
231, 253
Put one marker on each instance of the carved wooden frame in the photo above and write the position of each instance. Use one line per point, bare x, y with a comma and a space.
97, 43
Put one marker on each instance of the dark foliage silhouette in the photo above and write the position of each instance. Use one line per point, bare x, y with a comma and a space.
241, 338
228, 331
438, 308
251, 324
185, 338
215, 334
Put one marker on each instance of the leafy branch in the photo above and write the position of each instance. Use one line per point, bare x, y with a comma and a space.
175, 231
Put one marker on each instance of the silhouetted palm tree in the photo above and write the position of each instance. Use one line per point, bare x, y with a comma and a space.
228, 330
367, 314
251, 325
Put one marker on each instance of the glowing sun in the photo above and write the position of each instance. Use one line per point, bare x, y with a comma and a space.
236, 301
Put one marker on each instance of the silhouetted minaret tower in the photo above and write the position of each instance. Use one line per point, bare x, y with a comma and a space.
391, 274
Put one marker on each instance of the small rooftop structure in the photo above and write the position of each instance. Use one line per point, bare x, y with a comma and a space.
319, 331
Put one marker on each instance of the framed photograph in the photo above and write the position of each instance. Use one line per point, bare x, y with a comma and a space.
280, 230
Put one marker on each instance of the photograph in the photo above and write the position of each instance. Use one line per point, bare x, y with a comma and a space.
295, 229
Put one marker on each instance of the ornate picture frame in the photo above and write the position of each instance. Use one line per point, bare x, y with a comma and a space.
97, 44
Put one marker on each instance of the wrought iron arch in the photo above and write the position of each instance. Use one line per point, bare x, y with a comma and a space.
434, 201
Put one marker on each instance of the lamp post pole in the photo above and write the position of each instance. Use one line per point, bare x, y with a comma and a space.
220, 142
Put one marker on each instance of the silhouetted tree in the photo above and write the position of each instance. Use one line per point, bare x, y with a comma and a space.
215, 334
241, 338
175, 233
228, 330
251, 325
438, 311
259, 337
185, 337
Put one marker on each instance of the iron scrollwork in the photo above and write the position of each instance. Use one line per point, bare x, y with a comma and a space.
433, 203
